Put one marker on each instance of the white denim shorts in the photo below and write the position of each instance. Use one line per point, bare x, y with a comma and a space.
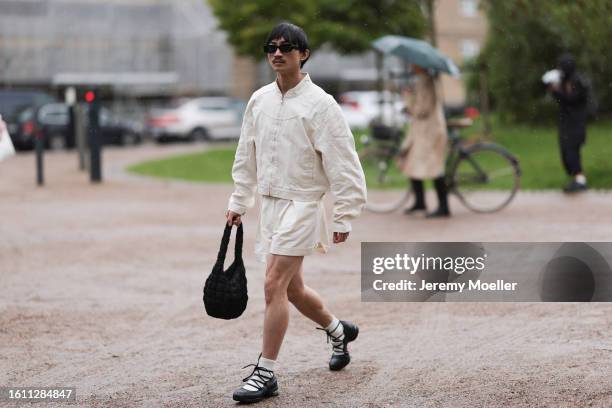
288, 227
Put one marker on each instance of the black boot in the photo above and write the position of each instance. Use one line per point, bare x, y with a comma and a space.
419, 197
441, 192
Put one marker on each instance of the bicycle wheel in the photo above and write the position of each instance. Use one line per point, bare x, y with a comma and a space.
387, 186
486, 177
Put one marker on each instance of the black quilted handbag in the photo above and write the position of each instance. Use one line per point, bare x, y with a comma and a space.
225, 292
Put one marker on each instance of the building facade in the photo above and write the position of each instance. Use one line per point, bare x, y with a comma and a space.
41, 40
461, 29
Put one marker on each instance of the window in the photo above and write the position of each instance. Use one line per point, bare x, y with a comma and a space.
53, 115
214, 104
24, 8
26, 115
106, 118
469, 8
469, 49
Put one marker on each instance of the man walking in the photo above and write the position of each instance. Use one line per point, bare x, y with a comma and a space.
572, 95
294, 146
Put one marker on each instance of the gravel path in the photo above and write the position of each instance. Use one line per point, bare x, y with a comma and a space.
102, 284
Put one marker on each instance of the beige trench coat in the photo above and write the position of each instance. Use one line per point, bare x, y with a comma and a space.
425, 145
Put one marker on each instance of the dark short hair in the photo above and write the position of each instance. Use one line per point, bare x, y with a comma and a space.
291, 33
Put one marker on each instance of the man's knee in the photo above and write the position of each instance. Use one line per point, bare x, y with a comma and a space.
294, 294
280, 271
273, 289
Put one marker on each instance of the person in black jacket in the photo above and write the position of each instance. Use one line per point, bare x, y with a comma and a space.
572, 95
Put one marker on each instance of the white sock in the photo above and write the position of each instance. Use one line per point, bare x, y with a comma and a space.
260, 375
336, 331
267, 364
580, 178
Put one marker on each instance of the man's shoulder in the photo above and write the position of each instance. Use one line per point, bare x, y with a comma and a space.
263, 90
259, 95
316, 100
318, 94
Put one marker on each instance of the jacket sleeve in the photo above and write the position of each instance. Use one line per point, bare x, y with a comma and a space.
244, 170
334, 141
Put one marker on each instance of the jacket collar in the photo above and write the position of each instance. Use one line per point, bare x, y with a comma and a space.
296, 90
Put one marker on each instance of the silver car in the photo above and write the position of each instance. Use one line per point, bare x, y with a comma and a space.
200, 118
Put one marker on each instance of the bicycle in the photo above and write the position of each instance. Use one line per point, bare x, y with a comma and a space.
484, 176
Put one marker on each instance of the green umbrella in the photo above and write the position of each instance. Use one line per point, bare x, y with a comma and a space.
417, 52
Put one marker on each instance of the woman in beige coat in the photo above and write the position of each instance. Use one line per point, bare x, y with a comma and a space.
424, 147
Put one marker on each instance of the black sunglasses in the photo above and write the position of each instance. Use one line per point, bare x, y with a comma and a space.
284, 48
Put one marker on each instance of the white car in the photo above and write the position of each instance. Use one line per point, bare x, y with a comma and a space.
361, 108
200, 118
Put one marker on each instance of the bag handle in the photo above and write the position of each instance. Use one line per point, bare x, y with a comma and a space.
225, 243
238, 243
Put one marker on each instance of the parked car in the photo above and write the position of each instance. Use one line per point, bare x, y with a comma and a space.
13, 102
200, 118
50, 121
362, 108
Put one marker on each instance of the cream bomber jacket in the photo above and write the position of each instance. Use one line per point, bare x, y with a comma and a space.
298, 146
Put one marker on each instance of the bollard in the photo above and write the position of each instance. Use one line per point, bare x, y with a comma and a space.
80, 134
70, 99
39, 145
95, 139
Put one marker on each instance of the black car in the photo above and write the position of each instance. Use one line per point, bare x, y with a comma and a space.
50, 122
12, 102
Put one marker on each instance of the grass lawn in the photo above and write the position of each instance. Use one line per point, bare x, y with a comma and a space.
540, 159
536, 148
212, 166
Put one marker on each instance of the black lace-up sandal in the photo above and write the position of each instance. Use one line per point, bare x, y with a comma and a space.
340, 355
261, 382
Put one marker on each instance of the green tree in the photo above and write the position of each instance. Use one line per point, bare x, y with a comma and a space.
347, 25
525, 39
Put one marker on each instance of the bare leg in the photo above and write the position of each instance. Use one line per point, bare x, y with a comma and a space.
307, 301
279, 272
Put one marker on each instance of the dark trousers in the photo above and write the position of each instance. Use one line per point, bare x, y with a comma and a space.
441, 192
570, 153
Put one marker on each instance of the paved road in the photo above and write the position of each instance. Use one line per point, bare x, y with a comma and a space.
101, 289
